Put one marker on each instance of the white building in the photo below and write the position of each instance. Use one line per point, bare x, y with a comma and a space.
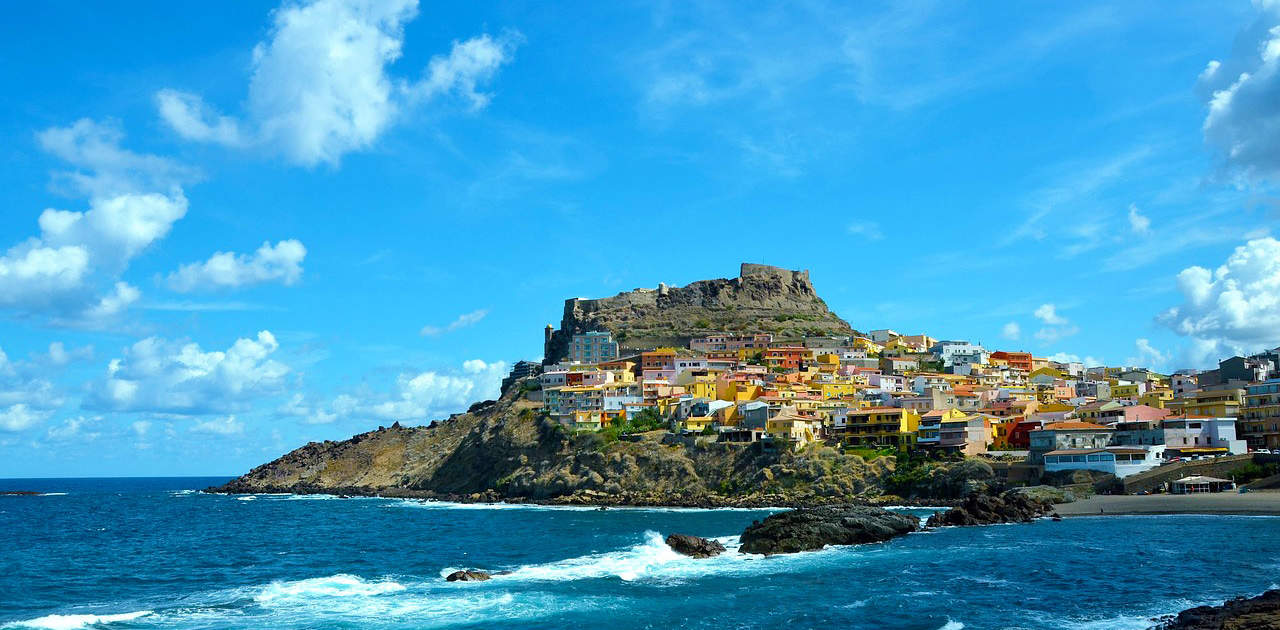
1120, 461
1192, 435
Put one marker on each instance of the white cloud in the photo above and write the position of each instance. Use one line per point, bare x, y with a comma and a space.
156, 375
1056, 326
281, 262
81, 428
1148, 356
1048, 313
298, 406
464, 320
1235, 308
70, 270
24, 384
1243, 96
319, 86
20, 417
187, 114
1065, 357
1011, 331
433, 394
866, 229
59, 355
1138, 222
226, 426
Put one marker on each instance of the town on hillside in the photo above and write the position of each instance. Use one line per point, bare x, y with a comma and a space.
886, 392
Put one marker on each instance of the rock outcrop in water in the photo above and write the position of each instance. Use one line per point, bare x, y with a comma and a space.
986, 509
694, 546
808, 529
467, 575
762, 299
1256, 613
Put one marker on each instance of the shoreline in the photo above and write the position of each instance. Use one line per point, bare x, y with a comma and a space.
1259, 503
599, 500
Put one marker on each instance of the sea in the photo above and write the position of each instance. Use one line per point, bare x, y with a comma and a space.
119, 554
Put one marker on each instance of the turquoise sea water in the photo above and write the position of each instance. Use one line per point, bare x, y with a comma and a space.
152, 553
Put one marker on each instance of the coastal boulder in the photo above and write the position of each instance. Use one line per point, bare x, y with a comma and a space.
1257, 613
467, 575
986, 509
694, 546
807, 529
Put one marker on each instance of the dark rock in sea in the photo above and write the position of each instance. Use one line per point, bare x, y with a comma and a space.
467, 575
693, 546
1256, 613
986, 509
807, 529
19, 493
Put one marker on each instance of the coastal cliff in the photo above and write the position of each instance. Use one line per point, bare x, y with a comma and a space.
509, 450
762, 299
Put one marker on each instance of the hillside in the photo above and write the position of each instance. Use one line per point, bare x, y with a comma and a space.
507, 450
762, 299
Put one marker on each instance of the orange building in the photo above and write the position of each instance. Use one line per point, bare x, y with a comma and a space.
1017, 360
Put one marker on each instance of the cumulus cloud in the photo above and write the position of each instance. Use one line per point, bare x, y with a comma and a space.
20, 417
1148, 356
80, 428
1066, 357
1138, 222
464, 320
1048, 313
281, 263
1056, 326
25, 391
133, 202
226, 426
1243, 97
1234, 308
319, 86
1011, 331
308, 412
157, 375
433, 394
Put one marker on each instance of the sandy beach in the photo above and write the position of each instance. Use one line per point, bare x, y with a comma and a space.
1265, 502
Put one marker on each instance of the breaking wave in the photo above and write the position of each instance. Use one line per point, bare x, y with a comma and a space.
74, 622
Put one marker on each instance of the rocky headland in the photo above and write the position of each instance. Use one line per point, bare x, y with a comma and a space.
762, 299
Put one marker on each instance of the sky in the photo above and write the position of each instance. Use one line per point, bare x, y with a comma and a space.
233, 228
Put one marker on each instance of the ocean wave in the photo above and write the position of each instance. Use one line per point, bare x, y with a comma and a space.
952, 625
52, 494
340, 585
74, 622
652, 560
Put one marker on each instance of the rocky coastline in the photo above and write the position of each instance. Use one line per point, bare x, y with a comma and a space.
1251, 613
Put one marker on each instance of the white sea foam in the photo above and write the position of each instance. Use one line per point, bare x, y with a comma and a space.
248, 498
952, 625
73, 622
341, 585
653, 561
53, 494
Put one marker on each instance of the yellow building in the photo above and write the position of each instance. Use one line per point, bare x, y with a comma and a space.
595, 420
838, 389
1130, 390
793, 427
1218, 403
1157, 398
881, 426
696, 424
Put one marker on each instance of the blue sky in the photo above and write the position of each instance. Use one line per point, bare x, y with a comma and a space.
231, 229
